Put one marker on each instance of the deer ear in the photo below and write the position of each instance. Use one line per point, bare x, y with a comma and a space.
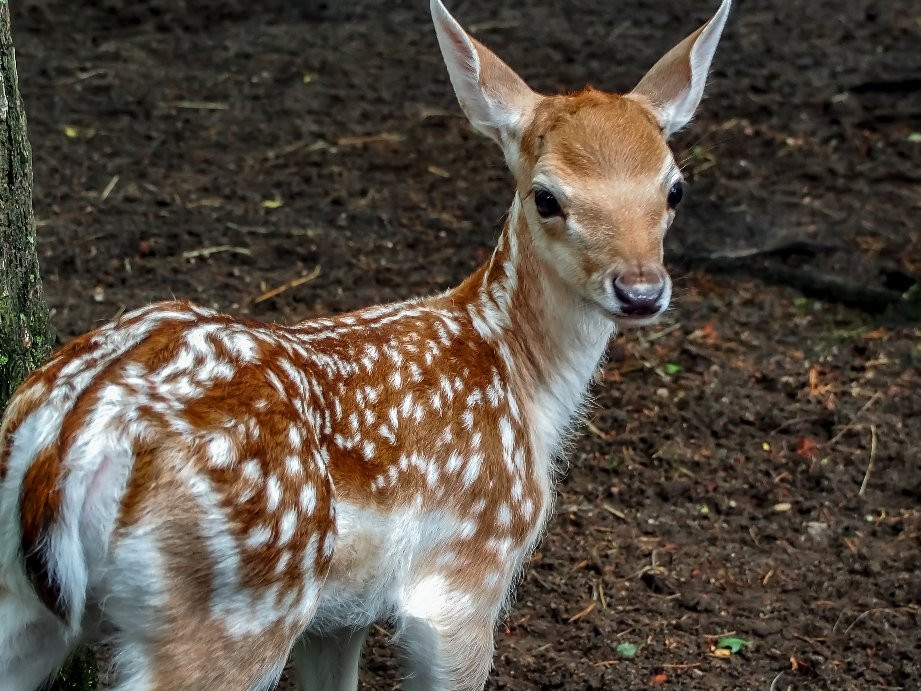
495, 99
675, 85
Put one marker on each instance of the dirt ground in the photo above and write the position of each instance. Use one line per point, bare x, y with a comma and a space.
214, 150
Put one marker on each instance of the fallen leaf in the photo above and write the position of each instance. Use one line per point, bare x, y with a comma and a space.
272, 203
731, 644
626, 650
658, 680
806, 447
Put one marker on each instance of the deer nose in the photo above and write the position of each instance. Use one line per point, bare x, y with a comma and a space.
640, 295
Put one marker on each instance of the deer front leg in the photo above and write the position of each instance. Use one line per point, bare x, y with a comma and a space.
328, 662
445, 636
446, 657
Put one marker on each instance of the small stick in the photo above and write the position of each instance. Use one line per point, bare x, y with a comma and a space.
584, 613
108, 188
614, 512
776, 680
200, 105
382, 138
593, 428
208, 251
288, 286
604, 664
850, 424
121, 310
866, 475
860, 616
661, 334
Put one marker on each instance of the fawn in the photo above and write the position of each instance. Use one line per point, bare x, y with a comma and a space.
210, 495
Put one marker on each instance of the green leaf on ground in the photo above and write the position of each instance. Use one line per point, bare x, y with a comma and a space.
626, 650
672, 368
732, 644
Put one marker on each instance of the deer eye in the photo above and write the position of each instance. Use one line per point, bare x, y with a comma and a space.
546, 204
675, 194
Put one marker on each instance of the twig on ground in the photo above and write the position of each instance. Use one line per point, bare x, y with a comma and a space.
118, 313
866, 475
108, 188
860, 616
200, 105
601, 597
776, 681
875, 397
593, 428
614, 512
661, 334
584, 613
288, 286
382, 138
814, 642
604, 664
215, 249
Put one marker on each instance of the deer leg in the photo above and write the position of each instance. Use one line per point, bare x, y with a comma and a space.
328, 662
441, 654
33, 643
171, 628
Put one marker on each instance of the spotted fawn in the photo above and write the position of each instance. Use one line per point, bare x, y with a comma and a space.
211, 496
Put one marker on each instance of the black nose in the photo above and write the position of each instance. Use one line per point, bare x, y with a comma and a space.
639, 297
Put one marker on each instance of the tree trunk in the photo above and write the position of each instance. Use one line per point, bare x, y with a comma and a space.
26, 335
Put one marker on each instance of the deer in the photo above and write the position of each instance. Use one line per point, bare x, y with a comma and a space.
211, 496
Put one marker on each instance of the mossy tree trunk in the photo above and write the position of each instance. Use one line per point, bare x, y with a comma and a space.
26, 335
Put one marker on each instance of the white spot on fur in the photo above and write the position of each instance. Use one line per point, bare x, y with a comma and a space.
273, 492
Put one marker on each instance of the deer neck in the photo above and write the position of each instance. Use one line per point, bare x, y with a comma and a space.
550, 338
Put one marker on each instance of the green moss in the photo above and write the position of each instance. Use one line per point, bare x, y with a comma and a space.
79, 674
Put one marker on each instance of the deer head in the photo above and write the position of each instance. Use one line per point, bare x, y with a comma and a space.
597, 182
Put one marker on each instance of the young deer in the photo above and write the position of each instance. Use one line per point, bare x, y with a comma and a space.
210, 494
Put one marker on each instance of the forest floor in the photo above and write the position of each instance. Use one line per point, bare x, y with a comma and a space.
752, 467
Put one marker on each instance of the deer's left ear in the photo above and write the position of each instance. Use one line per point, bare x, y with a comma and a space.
675, 85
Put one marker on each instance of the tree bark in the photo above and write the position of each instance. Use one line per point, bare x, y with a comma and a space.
26, 334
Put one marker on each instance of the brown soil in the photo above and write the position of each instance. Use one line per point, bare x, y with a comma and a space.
718, 488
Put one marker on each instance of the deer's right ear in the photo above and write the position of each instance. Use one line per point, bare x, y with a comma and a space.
495, 99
